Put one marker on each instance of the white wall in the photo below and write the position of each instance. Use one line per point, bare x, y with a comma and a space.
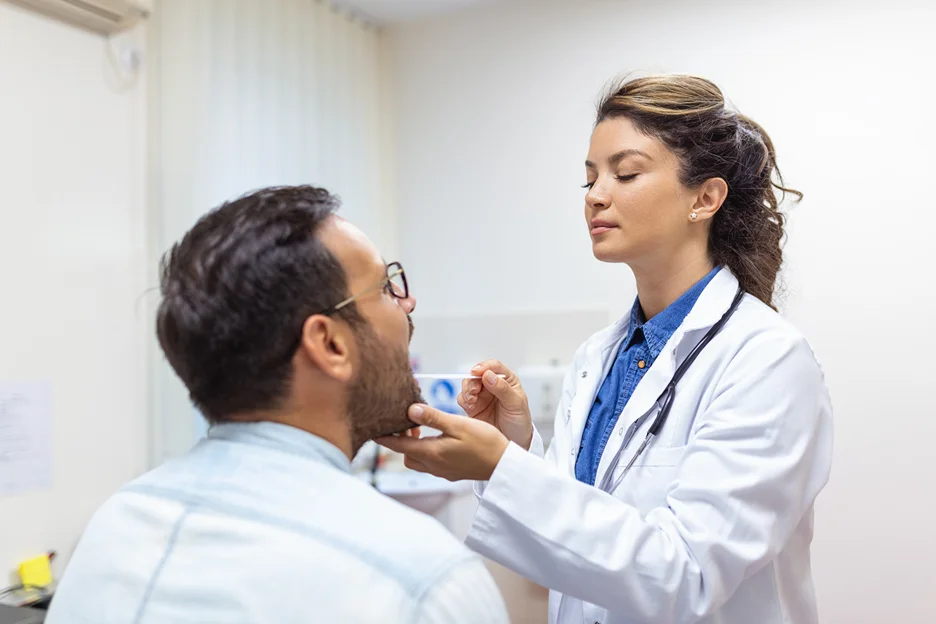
493, 114
72, 246
254, 93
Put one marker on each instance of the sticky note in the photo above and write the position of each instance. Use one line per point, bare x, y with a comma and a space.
36, 571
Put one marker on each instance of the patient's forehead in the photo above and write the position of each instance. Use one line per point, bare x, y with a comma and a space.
353, 249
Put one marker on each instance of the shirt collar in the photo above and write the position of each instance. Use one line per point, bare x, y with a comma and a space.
661, 327
283, 438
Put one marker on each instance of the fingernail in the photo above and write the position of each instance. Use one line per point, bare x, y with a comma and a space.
490, 378
476, 368
415, 411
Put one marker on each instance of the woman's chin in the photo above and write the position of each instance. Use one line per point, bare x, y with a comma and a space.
605, 252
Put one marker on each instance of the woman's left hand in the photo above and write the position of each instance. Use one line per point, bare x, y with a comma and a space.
467, 448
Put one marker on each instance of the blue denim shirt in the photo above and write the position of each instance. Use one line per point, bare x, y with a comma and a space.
639, 349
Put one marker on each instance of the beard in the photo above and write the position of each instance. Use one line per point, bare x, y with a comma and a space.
380, 395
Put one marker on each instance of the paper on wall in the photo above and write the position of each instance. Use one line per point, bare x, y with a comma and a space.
25, 437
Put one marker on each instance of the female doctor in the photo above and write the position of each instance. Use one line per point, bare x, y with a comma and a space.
693, 435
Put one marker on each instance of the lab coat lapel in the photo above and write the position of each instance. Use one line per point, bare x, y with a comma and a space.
588, 377
711, 304
641, 402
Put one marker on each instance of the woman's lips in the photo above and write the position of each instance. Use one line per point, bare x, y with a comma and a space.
600, 227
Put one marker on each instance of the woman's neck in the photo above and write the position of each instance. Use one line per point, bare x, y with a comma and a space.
659, 287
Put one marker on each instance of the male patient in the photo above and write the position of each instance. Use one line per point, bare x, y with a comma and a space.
291, 334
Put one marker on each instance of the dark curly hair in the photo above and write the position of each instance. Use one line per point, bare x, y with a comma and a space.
689, 115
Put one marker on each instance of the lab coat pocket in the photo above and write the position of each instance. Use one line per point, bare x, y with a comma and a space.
651, 477
660, 456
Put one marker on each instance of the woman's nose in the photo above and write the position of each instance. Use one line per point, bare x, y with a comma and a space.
596, 197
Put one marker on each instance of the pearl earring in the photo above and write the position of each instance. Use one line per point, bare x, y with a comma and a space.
694, 215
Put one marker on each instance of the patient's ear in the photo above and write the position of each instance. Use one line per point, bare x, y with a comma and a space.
328, 344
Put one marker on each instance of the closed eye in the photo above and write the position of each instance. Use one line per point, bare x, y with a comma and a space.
619, 178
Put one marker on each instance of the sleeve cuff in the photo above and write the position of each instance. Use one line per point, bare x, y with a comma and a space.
508, 487
536, 448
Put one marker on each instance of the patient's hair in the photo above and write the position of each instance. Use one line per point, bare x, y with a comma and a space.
236, 291
689, 115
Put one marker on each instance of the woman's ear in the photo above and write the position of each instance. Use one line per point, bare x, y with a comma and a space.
328, 345
709, 198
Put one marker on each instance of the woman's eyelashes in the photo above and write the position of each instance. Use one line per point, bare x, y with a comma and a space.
619, 178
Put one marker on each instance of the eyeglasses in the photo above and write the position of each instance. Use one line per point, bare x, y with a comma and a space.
394, 282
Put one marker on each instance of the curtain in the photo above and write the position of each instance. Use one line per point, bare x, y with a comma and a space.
252, 93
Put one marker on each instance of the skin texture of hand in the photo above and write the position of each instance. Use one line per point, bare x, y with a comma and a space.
467, 449
498, 401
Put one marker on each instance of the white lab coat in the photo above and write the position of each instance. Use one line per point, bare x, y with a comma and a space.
713, 523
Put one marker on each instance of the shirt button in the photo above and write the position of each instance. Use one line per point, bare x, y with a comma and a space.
641, 364
584, 374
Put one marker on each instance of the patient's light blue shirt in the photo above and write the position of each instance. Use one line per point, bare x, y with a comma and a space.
263, 523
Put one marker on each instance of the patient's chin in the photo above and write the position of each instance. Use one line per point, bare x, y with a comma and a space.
400, 428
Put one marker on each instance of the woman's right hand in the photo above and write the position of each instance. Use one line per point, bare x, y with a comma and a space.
499, 401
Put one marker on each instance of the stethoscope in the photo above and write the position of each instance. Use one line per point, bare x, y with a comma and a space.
665, 401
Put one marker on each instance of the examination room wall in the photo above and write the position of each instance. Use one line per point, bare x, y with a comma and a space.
493, 111
72, 262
